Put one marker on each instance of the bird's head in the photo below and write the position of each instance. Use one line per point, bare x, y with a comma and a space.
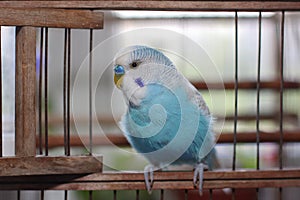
135, 63
135, 67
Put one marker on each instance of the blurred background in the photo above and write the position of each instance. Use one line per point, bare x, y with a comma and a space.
202, 46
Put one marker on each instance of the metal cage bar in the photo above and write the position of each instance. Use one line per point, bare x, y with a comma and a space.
235, 92
90, 92
114, 194
281, 78
66, 90
91, 35
1, 133
233, 194
46, 91
40, 87
258, 98
258, 93
66, 95
137, 195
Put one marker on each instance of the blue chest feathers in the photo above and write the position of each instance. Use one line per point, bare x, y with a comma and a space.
166, 127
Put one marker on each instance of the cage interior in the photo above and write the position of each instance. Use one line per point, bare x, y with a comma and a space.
243, 61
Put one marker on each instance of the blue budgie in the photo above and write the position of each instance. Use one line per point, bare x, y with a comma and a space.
167, 120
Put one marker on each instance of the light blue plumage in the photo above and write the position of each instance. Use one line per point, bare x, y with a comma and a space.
167, 119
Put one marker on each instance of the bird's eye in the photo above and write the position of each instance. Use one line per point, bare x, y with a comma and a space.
134, 64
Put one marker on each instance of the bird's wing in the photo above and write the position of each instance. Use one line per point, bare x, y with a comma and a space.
201, 103
210, 138
196, 98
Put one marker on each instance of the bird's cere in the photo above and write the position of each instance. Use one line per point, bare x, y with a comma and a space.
119, 73
119, 70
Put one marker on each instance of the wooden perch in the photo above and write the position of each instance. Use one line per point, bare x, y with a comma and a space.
162, 180
52, 18
21, 166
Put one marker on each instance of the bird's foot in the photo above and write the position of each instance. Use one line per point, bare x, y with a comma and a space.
149, 177
198, 174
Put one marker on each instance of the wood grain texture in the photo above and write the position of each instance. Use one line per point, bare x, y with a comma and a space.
273, 116
25, 87
162, 180
160, 5
53, 18
1, 153
247, 85
225, 138
25, 166
250, 137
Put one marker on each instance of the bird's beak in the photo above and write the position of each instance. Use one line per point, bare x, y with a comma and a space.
119, 75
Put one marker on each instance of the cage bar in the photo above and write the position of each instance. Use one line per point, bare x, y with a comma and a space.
235, 99
90, 93
186, 194
235, 93
65, 91
90, 195
216, 5
210, 194
115, 194
68, 91
1, 133
258, 93
246, 85
258, 99
161, 194
281, 78
46, 90
273, 116
42, 195
90, 100
225, 137
66, 195
25, 118
137, 195
40, 124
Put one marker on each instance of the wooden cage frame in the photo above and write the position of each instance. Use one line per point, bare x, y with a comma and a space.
26, 167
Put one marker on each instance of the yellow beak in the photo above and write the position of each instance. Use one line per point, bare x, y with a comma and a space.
118, 79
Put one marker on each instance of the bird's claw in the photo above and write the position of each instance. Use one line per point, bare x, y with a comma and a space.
198, 174
149, 177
